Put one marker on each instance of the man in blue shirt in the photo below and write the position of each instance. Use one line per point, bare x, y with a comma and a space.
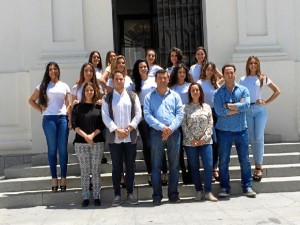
231, 101
163, 112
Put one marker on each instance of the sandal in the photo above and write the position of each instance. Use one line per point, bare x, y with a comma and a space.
164, 179
63, 186
216, 175
257, 177
54, 185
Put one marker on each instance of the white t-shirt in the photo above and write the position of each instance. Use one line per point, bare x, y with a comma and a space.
108, 69
209, 92
78, 92
195, 71
98, 73
170, 70
183, 91
148, 86
129, 86
152, 70
56, 93
253, 85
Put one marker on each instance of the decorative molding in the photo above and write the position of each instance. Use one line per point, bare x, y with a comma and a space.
256, 30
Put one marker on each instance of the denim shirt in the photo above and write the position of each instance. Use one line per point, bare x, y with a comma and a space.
163, 110
236, 122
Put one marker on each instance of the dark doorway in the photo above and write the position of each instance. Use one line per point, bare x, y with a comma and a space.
157, 24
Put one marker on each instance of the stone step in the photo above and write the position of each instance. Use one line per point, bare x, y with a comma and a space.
142, 192
42, 159
27, 170
269, 149
141, 178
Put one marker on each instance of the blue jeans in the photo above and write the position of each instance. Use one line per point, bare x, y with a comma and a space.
157, 151
118, 151
205, 152
256, 120
56, 131
240, 139
144, 130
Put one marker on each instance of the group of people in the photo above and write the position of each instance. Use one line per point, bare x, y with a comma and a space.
199, 112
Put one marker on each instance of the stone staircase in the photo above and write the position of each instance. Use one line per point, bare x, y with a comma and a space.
27, 185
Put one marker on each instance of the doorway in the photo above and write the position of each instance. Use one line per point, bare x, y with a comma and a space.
157, 24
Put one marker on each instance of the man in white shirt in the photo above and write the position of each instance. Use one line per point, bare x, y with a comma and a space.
121, 113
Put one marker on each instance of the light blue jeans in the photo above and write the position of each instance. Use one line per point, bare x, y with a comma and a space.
256, 120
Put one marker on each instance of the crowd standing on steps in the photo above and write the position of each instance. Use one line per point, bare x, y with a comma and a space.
179, 113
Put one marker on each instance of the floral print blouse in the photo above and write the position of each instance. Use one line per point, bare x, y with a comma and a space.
197, 123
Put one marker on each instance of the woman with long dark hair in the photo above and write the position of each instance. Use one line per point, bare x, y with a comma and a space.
197, 140
89, 141
52, 99
180, 81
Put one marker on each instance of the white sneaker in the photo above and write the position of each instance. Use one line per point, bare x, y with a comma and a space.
199, 196
209, 196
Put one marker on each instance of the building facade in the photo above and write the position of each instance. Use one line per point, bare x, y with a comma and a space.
35, 32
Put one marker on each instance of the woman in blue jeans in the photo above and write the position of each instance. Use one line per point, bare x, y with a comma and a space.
197, 140
256, 115
52, 99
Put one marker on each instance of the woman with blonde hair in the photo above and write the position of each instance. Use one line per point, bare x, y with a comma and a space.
110, 55
119, 63
256, 115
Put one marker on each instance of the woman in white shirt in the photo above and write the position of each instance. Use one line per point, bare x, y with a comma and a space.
52, 99
87, 74
96, 61
151, 58
175, 57
180, 81
201, 59
119, 63
257, 115
110, 55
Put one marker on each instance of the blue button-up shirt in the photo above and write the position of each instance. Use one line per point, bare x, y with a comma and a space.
163, 110
236, 122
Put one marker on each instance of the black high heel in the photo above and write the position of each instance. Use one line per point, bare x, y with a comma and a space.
54, 185
63, 188
54, 188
